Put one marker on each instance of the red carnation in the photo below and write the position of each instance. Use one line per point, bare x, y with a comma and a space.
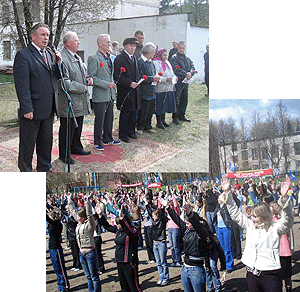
101, 64
160, 74
122, 69
177, 67
145, 77
195, 72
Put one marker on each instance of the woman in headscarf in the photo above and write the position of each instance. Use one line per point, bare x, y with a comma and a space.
165, 95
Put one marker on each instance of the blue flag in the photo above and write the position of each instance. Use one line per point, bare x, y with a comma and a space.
157, 179
292, 177
217, 180
195, 179
232, 167
276, 171
268, 161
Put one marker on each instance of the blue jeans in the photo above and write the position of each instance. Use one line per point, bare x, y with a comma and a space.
174, 240
89, 265
193, 279
160, 253
58, 263
213, 226
225, 237
213, 278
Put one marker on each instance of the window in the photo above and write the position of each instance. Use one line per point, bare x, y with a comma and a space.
5, 15
275, 151
244, 155
20, 10
263, 153
235, 159
297, 148
36, 9
244, 145
254, 154
6, 51
286, 149
234, 147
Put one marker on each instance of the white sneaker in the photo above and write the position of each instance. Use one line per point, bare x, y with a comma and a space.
76, 269
151, 262
72, 269
152, 131
139, 132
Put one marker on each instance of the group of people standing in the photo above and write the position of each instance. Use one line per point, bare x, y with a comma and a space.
181, 216
140, 78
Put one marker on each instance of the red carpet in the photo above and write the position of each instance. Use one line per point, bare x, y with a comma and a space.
126, 157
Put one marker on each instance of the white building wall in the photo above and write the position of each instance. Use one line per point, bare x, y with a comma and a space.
197, 39
161, 30
131, 8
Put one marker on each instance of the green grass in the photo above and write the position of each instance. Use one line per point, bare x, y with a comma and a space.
181, 136
6, 78
8, 107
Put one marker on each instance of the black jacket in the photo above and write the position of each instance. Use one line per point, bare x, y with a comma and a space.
132, 102
158, 226
194, 241
185, 65
224, 214
36, 82
54, 230
126, 241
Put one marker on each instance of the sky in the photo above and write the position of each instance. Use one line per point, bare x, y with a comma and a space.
237, 108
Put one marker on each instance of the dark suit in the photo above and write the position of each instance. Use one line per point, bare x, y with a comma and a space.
36, 86
127, 105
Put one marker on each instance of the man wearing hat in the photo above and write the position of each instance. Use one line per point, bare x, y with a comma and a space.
128, 99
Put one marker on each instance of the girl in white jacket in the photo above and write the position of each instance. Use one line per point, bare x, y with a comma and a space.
261, 254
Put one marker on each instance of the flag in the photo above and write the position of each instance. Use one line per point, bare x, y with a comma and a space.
218, 190
276, 171
292, 176
157, 179
268, 161
232, 167
217, 180
195, 179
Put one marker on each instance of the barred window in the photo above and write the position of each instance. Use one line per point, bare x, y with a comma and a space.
6, 51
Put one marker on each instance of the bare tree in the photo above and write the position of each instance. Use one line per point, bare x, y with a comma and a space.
55, 13
214, 155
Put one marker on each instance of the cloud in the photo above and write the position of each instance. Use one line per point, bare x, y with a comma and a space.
234, 112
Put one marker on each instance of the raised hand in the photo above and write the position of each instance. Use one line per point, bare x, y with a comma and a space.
99, 210
225, 183
285, 186
187, 209
163, 202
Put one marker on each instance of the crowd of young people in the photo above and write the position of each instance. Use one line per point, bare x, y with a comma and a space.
202, 222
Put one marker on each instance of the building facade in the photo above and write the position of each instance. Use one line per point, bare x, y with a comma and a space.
281, 152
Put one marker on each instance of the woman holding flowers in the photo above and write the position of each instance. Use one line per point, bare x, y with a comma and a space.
165, 90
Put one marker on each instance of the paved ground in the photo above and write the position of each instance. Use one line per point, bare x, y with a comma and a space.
148, 274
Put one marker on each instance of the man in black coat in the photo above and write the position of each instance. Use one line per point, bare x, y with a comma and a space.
128, 98
183, 68
36, 74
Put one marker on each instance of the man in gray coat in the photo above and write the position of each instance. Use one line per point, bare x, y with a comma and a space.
76, 81
101, 69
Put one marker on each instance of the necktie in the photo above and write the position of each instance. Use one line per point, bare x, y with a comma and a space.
44, 56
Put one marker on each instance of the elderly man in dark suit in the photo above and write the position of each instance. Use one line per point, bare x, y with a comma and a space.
36, 73
128, 99
100, 67
76, 82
